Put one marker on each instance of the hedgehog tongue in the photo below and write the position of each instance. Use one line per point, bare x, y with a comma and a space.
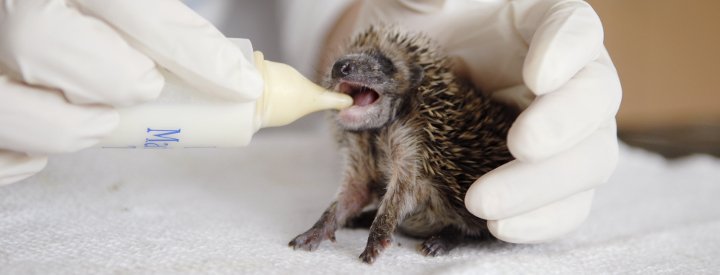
364, 97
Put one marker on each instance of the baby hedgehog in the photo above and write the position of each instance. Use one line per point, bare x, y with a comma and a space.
414, 141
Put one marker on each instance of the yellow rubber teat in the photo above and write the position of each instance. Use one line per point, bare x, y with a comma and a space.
288, 95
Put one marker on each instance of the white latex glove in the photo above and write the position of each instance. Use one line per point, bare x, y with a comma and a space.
65, 64
546, 56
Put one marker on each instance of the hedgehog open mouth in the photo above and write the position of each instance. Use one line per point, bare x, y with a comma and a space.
362, 95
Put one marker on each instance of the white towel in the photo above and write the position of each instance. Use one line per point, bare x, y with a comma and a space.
234, 211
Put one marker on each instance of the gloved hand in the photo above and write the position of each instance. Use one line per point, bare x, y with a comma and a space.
64, 65
547, 57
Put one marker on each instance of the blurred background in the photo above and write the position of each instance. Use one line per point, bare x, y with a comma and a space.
666, 52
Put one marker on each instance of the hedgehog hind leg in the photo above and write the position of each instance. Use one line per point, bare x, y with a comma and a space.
442, 242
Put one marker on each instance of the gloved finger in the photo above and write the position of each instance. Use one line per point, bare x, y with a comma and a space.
569, 37
41, 121
183, 42
408, 13
15, 166
519, 187
421, 6
399, 7
46, 43
557, 121
546, 223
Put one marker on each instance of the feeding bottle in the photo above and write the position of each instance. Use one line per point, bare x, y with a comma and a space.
183, 117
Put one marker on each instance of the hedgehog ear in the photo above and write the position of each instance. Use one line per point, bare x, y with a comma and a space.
416, 75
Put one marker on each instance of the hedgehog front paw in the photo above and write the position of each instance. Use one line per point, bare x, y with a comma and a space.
310, 240
373, 249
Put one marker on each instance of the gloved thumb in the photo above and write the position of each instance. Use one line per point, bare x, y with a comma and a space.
17, 166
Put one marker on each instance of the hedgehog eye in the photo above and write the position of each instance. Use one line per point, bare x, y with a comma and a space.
386, 65
416, 75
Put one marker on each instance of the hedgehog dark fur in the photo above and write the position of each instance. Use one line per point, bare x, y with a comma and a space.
417, 139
